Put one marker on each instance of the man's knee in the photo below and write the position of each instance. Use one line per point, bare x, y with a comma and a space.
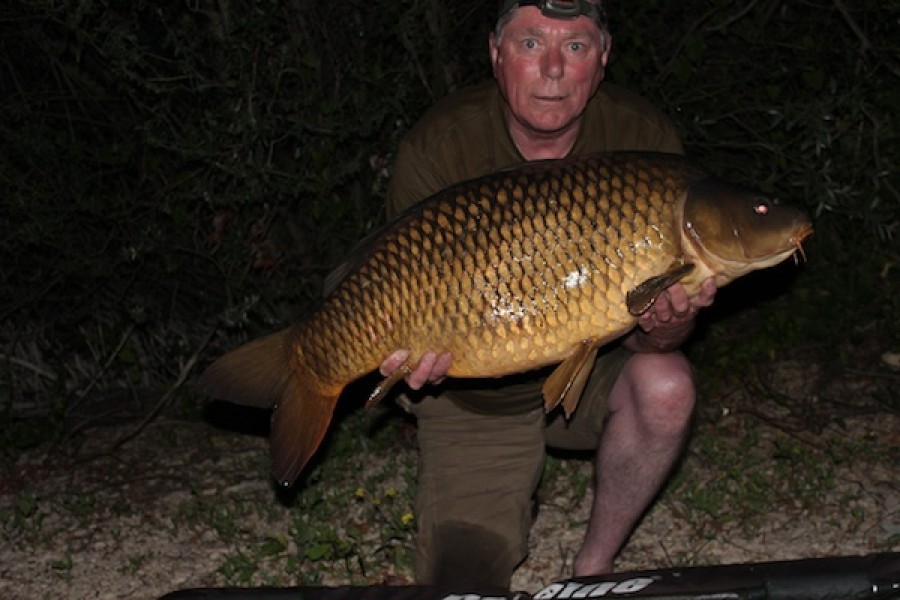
662, 389
473, 504
462, 554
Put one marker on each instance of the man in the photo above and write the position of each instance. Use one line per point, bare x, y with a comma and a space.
482, 443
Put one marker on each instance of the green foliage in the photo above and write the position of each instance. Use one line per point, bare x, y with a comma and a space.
171, 169
23, 516
373, 497
797, 97
178, 170
63, 564
744, 476
238, 568
212, 513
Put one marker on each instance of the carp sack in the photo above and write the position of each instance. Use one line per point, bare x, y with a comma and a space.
530, 266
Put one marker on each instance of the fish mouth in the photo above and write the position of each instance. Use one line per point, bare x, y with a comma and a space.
796, 240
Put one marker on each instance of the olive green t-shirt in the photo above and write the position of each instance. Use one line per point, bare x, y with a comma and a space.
465, 136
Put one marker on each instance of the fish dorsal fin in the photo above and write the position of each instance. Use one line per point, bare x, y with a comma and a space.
335, 277
644, 295
566, 384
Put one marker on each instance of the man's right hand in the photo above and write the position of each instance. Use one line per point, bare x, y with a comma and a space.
432, 367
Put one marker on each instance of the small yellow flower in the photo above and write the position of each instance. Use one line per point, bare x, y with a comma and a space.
407, 518
391, 492
359, 493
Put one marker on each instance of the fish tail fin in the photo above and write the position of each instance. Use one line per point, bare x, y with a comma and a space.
266, 373
254, 374
299, 423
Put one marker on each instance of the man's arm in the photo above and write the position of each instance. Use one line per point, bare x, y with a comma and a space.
414, 178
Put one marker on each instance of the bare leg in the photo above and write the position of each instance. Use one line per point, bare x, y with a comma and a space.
650, 410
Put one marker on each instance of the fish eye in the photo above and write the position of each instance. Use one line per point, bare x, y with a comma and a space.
761, 207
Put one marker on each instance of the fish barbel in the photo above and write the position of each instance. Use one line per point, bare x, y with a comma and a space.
516, 270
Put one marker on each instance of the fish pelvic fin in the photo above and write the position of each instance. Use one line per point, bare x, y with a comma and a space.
644, 295
566, 383
254, 374
301, 418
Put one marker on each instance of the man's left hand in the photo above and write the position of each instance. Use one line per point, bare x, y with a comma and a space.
670, 320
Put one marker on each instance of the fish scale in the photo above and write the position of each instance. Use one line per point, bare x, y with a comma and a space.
508, 272
474, 229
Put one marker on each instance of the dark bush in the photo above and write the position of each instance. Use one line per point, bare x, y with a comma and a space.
178, 172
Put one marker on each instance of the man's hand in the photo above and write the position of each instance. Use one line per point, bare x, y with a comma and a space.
669, 322
432, 367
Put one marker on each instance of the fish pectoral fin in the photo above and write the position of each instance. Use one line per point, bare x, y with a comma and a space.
381, 390
644, 295
566, 383
299, 422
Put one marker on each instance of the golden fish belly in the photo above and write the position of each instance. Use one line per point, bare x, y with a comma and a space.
507, 272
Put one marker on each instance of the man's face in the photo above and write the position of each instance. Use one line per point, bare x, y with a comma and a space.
548, 68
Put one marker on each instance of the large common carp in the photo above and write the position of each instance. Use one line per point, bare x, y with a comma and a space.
509, 272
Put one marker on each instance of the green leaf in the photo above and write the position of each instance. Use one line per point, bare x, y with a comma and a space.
319, 551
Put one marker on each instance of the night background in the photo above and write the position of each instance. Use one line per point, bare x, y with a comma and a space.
177, 177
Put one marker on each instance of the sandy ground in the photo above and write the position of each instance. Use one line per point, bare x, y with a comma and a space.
808, 471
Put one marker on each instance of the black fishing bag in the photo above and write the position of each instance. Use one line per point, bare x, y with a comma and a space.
873, 577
